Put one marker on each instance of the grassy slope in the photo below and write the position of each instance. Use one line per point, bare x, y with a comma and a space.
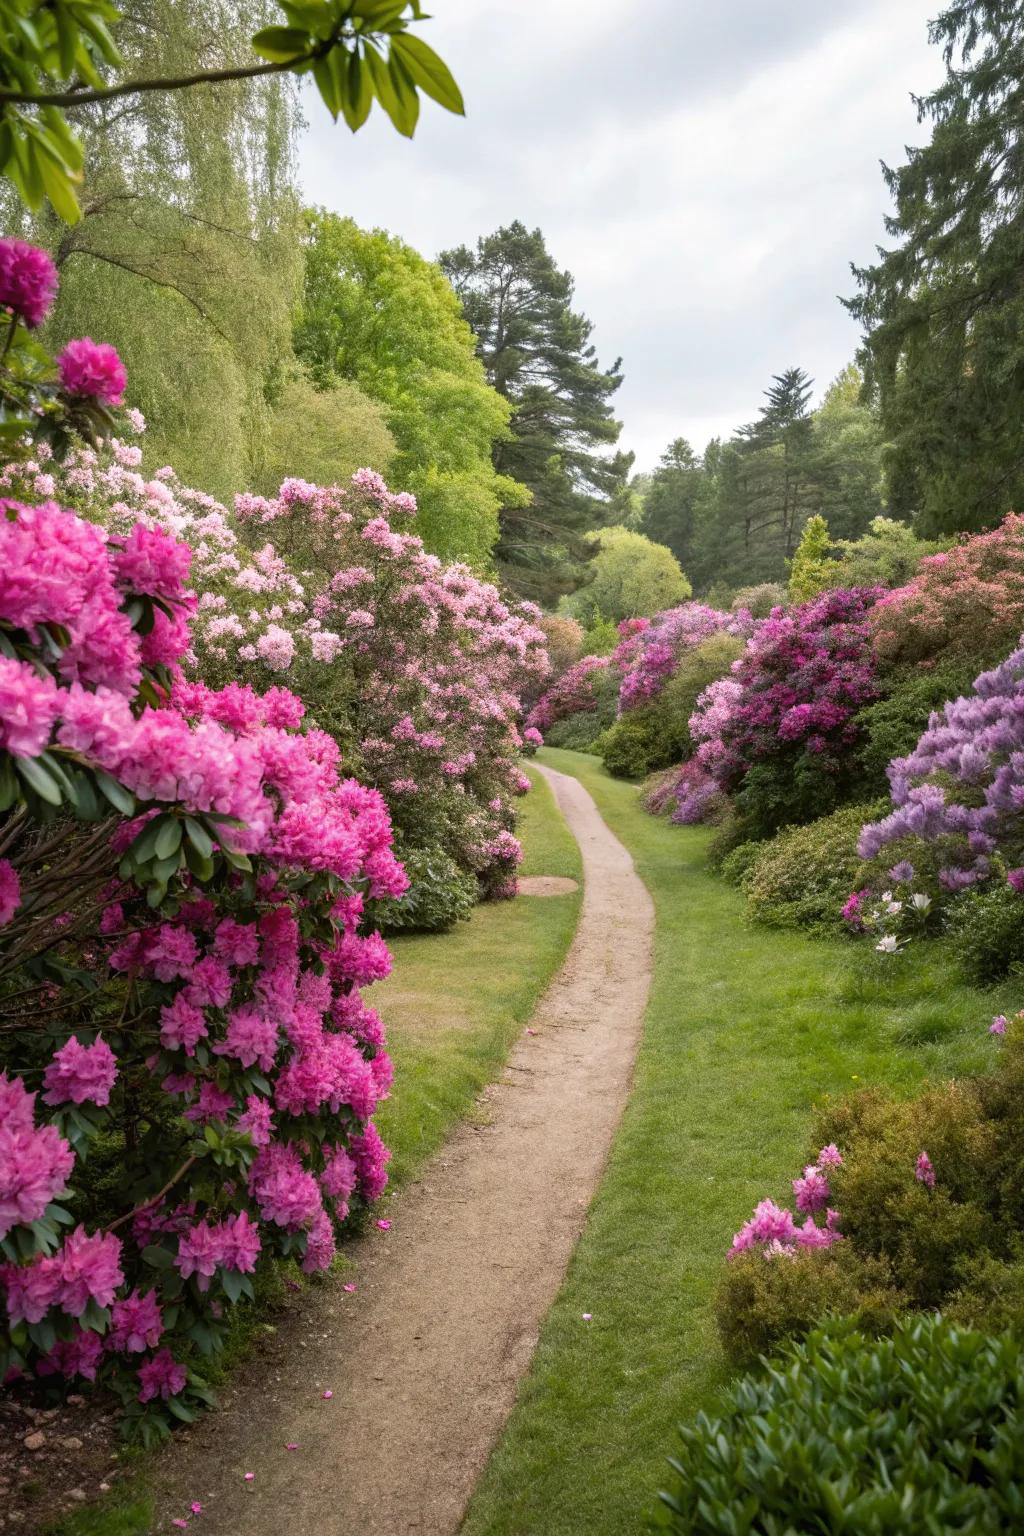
746, 1028
487, 974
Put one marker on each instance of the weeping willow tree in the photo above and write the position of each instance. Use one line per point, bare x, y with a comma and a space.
187, 256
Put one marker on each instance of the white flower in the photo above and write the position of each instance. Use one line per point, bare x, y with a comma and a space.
887, 895
894, 907
920, 902
890, 945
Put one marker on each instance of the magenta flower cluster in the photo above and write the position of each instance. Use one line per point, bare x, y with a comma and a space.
570, 694
796, 692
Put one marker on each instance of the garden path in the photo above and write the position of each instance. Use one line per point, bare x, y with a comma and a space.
423, 1360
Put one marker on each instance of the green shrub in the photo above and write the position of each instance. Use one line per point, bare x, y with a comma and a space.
440, 894
577, 733
764, 1301
893, 724
986, 933
642, 741
736, 865
920, 1433
992, 1293
803, 875
696, 670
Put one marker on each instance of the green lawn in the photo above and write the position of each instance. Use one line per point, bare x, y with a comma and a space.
746, 1028
456, 1002
453, 1006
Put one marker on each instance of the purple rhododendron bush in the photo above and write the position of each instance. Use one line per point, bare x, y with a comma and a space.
413, 666
189, 1070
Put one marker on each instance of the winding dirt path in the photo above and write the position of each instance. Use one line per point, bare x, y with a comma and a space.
424, 1359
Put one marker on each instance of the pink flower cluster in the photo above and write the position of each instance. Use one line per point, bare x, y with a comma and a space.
774, 1230
650, 649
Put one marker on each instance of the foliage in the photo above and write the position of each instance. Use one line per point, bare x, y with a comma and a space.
779, 732
686, 794
629, 577
374, 312
986, 933
811, 565
440, 894
942, 347
799, 1448
602, 638
759, 600
965, 602
183, 885
888, 554
565, 641
762, 1305
319, 435
537, 352
641, 741
957, 795
675, 501
803, 875
893, 723
53, 58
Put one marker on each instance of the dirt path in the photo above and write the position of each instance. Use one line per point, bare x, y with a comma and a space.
423, 1360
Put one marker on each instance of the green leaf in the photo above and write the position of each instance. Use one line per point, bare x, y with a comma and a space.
157, 1258
405, 91
357, 99
120, 798
168, 839
281, 44
198, 836
186, 1415
36, 776
429, 72
329, 84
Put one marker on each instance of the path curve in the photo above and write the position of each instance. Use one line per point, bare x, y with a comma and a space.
425, 1358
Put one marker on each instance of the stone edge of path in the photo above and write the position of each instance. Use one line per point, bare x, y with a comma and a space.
424, 1359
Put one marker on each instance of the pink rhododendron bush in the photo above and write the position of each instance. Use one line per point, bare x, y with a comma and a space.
188, 1069
413, 666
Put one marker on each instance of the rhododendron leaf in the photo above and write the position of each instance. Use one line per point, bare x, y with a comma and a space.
157, 1257
43, 1335
199, 837
35, 775
120, 798
231, 1281
178, 1408
168, 839
203, 868
8, 784
429, 72
280, 44
237, 860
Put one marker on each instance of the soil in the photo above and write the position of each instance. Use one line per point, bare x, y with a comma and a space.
375, 1410
546, 885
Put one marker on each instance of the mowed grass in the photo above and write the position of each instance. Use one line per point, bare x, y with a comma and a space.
746, 1029
455, 1002
453, 1006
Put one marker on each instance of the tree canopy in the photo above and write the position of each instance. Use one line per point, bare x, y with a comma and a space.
375, 312
630, 577
537, 352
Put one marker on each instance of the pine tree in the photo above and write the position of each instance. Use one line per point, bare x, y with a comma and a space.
675, 501
537, 352
944, 345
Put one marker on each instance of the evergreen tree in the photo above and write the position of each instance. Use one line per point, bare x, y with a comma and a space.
537, 353
676, 500
944, 344
848, 451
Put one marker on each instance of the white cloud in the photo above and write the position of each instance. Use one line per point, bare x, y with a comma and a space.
707, 173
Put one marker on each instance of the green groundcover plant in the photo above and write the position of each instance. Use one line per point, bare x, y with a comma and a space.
919, 1433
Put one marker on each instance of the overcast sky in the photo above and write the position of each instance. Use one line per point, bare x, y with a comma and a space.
706, 170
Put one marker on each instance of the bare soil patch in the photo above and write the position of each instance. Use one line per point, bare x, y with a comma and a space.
546, 885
